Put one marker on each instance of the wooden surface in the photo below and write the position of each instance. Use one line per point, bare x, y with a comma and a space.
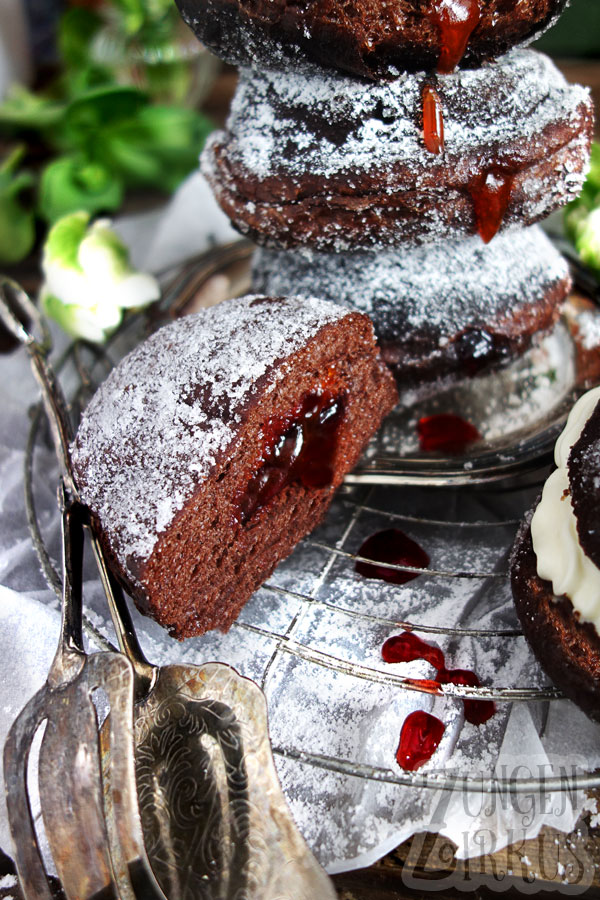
550, 865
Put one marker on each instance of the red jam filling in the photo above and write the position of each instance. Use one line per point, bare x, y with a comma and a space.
395, 547
433, 120
456, 21
299, 447
491, 194
476, 711
407, 646
445, 433
419, 739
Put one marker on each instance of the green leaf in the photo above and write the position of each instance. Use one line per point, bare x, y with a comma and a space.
593, 178
17, 230
77, 29
575, 215
138, 15
71, 183
9, 165
23, 110
587, 240
17, 223
158, 148
89, 114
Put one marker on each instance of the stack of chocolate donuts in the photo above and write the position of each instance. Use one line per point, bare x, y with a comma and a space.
394, 156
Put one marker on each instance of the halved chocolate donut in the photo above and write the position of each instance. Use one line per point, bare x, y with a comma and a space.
216, 444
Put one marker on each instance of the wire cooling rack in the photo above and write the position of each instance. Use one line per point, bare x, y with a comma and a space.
445, 500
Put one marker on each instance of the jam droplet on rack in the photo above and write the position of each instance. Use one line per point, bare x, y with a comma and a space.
456, 21
419, 739
490, 193
298, 447
407, 646
433, 120
395, 547
476, 711
446, 433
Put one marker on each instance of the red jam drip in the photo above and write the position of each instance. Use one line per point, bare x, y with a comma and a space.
433, 120
395, 547
456, 21
419, 739
299, 447
446, 433
476, 711
491, 195
407, 647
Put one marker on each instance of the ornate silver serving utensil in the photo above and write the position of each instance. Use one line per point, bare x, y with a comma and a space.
72, 794
93, 830
214, 818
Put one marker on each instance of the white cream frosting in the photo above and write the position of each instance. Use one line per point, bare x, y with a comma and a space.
560, 558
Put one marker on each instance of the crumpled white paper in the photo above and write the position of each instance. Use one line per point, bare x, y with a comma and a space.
317, 601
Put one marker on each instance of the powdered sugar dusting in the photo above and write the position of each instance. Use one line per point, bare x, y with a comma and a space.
326, 124
162, 418
443, 288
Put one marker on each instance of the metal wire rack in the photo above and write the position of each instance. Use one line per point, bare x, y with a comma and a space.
82, 367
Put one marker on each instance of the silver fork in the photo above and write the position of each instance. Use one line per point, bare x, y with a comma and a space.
214, 818
71, 789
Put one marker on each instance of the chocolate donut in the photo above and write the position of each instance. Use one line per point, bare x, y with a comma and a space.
374, 39
318, 160
217, 444
441, 310
554, 563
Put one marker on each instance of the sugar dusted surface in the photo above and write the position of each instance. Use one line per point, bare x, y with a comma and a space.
312, 121
434, 288
156, 427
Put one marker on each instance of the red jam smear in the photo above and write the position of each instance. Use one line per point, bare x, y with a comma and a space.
446, 433
491, 194
298, 447
456, 21
476, 711
407, 647
419, 739
433, 120
395, 547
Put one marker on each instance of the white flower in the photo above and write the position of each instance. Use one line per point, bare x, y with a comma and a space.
89, 280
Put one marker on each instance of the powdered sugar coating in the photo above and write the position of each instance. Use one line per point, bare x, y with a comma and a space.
157, 426
437, 288
312, 121
327, 162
